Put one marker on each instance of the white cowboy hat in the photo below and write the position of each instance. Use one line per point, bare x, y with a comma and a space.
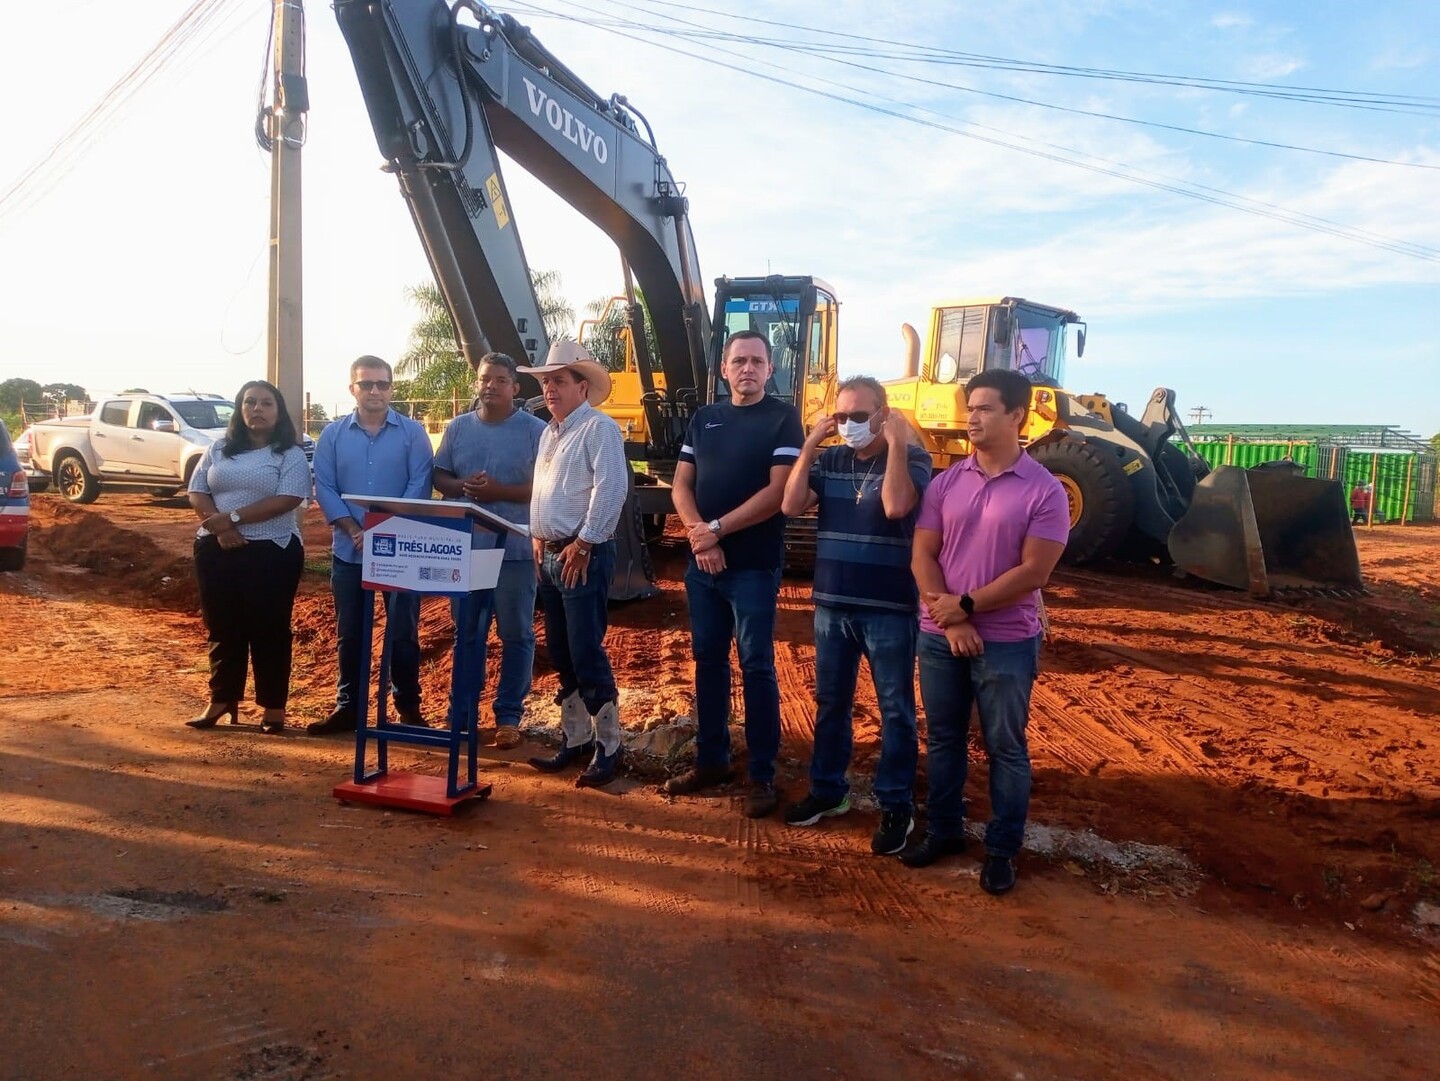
567, 354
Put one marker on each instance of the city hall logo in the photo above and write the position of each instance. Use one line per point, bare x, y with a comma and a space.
383, 544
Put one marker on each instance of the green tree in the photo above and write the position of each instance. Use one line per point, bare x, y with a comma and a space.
1435, 442
431, 367
65, 392
15, 391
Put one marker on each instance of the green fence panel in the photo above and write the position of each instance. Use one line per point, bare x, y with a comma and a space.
1245, 455
1389, 472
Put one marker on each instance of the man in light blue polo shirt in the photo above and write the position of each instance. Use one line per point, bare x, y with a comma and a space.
373, 451
488, 456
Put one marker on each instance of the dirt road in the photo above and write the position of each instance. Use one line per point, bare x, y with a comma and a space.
176, 904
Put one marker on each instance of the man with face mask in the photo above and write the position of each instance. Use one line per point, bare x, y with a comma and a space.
867, 491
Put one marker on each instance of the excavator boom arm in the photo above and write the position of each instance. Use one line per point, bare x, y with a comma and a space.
444, 97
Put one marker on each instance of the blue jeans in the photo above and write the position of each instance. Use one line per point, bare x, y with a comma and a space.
998, 681
887, 641
575, 621
402, 628
738, 604
511, 606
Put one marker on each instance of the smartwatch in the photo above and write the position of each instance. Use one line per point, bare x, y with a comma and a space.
967, 604
235, 517
715, 526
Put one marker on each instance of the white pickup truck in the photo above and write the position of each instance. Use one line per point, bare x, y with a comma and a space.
150, 441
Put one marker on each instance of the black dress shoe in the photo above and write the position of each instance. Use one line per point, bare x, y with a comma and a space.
342, 720
930, 849
565, 756
998, 875
411, 715
697, 779
601, 770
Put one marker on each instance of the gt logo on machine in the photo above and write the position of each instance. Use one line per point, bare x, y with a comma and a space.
383, 544
566, 123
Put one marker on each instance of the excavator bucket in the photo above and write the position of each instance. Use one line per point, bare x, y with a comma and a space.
1266, 530
634, 576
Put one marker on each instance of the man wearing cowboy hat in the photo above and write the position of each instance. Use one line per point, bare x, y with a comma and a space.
581, 480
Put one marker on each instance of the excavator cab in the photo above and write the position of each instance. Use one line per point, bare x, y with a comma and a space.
800, 318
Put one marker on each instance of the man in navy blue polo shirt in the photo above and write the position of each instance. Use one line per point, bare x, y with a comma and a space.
868, 491
728, 485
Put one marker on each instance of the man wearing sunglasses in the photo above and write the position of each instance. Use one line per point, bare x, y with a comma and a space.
867, 491
373, 451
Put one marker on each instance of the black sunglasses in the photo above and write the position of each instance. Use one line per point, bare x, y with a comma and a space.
859, 416
373, 384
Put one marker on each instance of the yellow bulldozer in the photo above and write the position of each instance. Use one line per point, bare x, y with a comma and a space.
1136, 485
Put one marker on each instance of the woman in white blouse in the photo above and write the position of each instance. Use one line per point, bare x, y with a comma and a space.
248, 556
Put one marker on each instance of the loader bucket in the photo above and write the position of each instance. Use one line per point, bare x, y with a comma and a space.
1265, 530
634, 577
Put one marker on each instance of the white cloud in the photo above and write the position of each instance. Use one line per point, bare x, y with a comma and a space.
1270, 66
1231, 21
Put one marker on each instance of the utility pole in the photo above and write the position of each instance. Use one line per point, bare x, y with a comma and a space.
284, 362
1198, 414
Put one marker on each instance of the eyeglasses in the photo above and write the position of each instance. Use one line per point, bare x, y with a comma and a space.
859, 416
372, 384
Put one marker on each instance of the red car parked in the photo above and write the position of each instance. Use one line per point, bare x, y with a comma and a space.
14, 506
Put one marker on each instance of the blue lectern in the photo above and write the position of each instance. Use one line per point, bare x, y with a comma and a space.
420, 546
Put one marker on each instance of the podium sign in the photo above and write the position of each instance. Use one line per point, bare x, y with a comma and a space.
424, 545
425, 555
420, 546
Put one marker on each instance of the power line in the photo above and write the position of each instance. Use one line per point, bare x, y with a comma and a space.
1311, 94
825, 54
1054, 152
198, 28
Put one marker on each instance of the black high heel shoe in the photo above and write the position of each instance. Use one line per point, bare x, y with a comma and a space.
273, 722
215, 712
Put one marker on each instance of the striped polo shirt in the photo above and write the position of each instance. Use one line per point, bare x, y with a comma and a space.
581, 478
862, 558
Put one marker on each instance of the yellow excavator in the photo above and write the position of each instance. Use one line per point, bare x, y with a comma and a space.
1136, 486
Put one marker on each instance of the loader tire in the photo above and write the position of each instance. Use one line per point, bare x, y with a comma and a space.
1102, 506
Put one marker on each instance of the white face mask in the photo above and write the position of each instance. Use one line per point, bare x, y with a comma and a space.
856, 433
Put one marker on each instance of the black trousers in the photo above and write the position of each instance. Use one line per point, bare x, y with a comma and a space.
246, 596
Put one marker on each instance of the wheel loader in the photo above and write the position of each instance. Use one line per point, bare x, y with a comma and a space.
1135, 485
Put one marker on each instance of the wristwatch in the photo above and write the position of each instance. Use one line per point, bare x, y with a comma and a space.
967, 604
715, 526
582, 547
235, 517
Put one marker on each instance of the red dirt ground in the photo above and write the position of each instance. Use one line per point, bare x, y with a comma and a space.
184, 904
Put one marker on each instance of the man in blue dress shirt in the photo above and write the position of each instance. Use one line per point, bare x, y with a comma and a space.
374, 451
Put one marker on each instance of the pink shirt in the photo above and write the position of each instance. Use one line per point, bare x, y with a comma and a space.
983, 522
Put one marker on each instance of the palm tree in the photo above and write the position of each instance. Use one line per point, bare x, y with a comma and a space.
432, 368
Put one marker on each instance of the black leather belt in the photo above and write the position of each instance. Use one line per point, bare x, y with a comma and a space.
560, 545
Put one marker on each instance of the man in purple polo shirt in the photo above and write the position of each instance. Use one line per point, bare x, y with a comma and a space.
990, 531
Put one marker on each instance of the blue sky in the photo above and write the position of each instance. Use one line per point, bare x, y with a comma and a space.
142, 259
